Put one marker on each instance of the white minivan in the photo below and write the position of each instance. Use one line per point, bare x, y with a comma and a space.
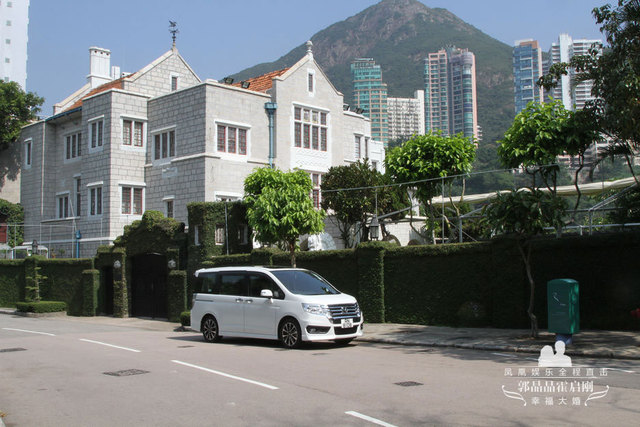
288, 304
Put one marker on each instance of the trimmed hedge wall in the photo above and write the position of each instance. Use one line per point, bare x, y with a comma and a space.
430, 284
176, 294
11, 282
41, 306
65, 282
90, 285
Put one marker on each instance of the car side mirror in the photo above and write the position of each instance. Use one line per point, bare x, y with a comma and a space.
266, 293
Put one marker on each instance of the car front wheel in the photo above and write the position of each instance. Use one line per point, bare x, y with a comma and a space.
289, 333
210, 330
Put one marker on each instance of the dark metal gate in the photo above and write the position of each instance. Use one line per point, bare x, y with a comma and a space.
149, 286
106, 294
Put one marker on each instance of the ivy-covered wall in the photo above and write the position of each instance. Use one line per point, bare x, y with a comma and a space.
11, 213
477, 284
12, 282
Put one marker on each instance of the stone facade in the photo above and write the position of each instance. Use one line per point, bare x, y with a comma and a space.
161, 138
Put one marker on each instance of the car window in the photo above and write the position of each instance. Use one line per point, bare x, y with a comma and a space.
304, 282
258, 282
233, 284
208, 283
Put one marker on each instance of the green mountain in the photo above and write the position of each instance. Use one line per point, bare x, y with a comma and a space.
399, 34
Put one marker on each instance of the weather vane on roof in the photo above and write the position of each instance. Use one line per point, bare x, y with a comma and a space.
173, 29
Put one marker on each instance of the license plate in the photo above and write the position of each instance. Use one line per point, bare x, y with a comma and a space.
347, 323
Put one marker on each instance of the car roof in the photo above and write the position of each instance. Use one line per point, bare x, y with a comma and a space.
262, 269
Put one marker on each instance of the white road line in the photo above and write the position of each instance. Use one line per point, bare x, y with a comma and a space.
504, 355
110, 345
30, 332
621, 370
270, 387
368, 418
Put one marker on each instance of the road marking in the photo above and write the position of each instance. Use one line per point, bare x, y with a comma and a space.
621, 370
368, 418
110, 345
30, 332
270, 387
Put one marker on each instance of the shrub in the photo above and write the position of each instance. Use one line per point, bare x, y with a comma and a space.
41, 306
185, 318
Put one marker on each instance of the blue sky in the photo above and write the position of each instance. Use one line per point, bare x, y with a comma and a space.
218, 38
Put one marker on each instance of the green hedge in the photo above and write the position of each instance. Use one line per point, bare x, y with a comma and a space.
65, 282
11, 282
176, 294
185, 318
431, 284
90, 285
41, 306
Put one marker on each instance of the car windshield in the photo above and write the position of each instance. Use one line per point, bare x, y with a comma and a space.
304, 282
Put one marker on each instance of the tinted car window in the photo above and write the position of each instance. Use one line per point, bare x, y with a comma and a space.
258, 282
233, 284
208, 283
304, 282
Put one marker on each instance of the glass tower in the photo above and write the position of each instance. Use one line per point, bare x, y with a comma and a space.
450, 92
370, 94
527, 69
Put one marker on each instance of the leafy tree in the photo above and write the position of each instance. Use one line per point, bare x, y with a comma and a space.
422, 160
615, 74
542, 132
279, 208
17, 108
525, 214
351, 192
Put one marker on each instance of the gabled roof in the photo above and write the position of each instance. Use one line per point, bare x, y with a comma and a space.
262, 83
116, 84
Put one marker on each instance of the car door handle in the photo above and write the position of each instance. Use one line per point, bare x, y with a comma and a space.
239, 300
248, 301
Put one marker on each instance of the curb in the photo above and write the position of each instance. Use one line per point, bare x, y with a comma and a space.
503, 348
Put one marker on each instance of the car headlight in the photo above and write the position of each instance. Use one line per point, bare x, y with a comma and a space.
319, 309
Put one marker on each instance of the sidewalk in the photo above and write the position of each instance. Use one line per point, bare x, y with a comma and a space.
610, 344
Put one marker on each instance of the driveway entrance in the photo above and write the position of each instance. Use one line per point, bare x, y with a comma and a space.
149, 286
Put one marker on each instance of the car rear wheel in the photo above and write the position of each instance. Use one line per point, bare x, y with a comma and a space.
289, 333
210, 330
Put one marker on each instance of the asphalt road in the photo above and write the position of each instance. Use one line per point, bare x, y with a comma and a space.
61, 372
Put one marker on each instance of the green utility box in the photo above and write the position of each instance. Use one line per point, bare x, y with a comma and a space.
563, 306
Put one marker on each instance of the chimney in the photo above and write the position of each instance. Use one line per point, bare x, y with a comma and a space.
100, 71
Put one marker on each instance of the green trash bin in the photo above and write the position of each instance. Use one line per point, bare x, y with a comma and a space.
563, 306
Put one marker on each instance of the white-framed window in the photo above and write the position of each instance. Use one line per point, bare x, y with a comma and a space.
133, 132
73, 146
132, 200
316, 180
164, 144
311, 84
357, 146
96, 133
78, 188
169, 206
95, 200
174, 81
63, 205
28, 144
231, 139
220, 234
310, 128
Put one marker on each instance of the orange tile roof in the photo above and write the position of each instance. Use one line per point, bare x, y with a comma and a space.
262, 83
116, 84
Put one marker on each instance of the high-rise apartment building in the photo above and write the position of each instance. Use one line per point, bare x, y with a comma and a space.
370, 94
406, 116
527, 69
573, 94
450, 92
14, 21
